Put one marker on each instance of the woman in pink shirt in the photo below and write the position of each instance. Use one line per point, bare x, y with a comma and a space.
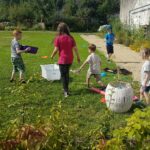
65, 44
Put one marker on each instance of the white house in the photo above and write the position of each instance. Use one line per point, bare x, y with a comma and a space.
135, 12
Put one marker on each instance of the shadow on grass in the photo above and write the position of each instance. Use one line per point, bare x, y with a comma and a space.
81, 91
128, 62
55, 81
31, 104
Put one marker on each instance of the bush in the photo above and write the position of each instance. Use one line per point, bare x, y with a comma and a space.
21, 14
51, 133
120, 36
10, 28
38, 27
135, 135
134, 38
2, 26
75, 24
136, 46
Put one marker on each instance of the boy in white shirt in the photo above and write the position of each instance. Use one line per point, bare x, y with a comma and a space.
145, 76
94, 66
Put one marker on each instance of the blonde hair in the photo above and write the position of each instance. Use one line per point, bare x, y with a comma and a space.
145, 52
16, 32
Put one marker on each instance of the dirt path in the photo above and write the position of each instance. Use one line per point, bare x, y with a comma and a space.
124, 56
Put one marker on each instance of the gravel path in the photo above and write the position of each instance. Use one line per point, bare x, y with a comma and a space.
123, 57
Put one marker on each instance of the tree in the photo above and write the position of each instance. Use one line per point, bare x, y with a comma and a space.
79, 14
87, 12
21, 14
70, 8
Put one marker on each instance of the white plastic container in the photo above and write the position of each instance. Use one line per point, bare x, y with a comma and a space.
50, 72
119, 97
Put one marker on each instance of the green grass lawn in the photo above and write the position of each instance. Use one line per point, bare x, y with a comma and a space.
83, 107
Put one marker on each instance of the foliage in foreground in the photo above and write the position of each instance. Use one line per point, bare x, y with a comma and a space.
54, 133
57, 132
135, 135
51, 133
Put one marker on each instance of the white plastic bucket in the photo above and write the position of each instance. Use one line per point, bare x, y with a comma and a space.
50, 72
119, 97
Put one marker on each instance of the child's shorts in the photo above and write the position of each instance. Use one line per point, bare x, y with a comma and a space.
96, 76
18, 64
146, 89
110, 49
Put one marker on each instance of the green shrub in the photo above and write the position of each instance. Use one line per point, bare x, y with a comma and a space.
23, 27
135, 135
127, 38
37, 27
13, 27
136, 46
51, 133
2, 26
120, 37
10, 28
134, 38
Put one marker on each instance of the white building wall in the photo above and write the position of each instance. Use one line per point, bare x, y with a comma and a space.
140, 3
135, 12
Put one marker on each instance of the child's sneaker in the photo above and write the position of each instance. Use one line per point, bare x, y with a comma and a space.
66, 94
22, 81
103, 88
12, 80
140, 103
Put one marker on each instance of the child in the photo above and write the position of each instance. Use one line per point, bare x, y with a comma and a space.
94, 66
145, 76
17, 61
110, 37
65, 44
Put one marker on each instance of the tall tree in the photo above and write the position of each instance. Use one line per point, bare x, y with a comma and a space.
80, 14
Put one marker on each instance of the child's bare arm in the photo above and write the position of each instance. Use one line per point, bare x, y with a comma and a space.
147, 78
54, 52
23, 51
82, 66
77, 54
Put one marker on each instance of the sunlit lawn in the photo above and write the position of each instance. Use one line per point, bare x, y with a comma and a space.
83, 107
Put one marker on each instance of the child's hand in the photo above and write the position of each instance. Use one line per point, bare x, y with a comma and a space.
52, 57
78, 70
27, 49
75, 71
